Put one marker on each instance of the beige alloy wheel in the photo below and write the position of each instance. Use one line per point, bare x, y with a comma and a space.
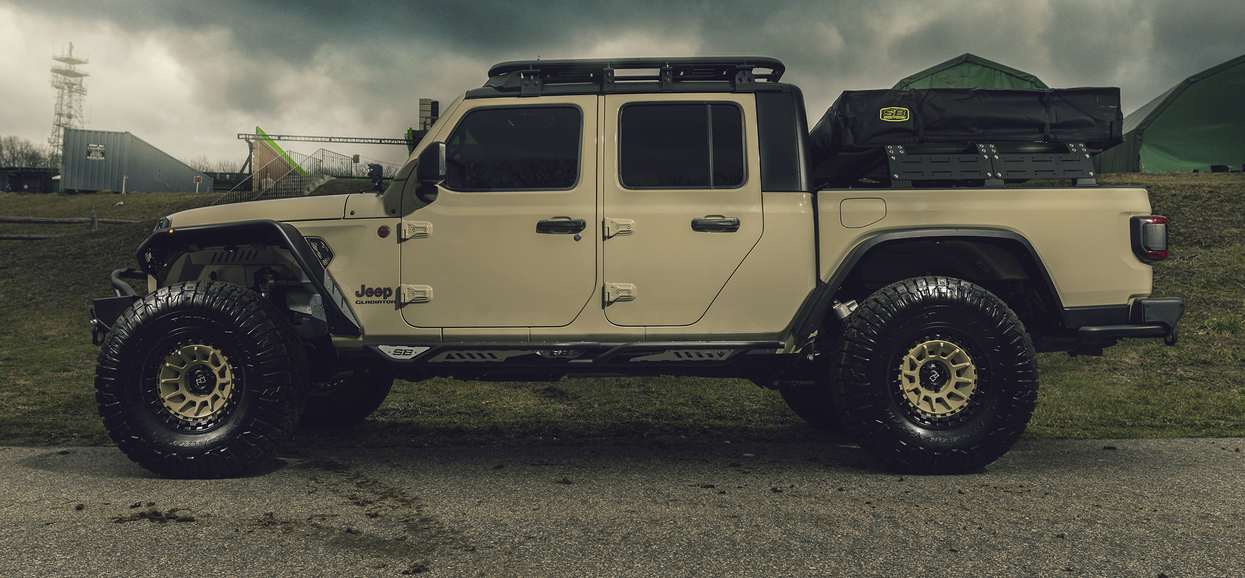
937, 378
196, 383
201, 380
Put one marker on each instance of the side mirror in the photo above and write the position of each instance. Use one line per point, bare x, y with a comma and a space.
432, 166
430, 172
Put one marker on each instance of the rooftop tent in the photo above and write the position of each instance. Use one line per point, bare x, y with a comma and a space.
1194, 125
970, 71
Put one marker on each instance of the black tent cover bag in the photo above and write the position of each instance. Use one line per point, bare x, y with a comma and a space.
873, 118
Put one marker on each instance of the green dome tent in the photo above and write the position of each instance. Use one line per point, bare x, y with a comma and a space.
970, 71
1194, 125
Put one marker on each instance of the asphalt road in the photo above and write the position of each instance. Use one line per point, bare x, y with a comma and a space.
1149, 508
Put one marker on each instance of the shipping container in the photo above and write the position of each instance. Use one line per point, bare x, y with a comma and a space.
97, 160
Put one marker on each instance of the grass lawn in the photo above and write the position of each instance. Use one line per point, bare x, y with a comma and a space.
1137, 389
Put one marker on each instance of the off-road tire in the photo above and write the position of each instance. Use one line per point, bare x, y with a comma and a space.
936, 376
200, 380
345, 402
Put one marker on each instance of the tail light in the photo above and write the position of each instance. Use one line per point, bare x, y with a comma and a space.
1149, 238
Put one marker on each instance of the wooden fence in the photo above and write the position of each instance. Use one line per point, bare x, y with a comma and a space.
94, 220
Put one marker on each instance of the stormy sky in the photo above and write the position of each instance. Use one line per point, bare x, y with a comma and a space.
187, 76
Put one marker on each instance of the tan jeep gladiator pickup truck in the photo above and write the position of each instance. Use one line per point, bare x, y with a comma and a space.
655, 216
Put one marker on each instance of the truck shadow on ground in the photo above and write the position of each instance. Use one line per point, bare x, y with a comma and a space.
385, 430
789, 445
110, 463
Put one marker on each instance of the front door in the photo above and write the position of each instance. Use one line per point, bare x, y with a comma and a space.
510, 239
682, 204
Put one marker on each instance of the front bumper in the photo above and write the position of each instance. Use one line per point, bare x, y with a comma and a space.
105, 310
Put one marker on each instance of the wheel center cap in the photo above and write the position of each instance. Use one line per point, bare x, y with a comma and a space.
934, 376
201, 380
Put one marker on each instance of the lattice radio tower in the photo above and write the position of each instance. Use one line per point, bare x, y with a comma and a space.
67, 80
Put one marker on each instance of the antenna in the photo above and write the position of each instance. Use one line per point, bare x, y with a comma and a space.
67, 80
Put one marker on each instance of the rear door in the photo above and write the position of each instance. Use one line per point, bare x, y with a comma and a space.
682, 203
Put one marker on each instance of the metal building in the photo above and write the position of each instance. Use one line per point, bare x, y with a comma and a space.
97, 160
28, 180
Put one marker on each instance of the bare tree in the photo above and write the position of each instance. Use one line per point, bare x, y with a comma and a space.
200, 163
16, 151
227, 166
203, 165
6, 146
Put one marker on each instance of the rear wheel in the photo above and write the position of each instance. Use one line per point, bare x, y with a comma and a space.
937, 376
200, 380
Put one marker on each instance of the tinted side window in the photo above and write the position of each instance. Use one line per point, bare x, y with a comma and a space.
515, 149
693, 145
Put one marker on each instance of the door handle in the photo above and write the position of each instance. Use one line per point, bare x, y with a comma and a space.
716, 224
561, 226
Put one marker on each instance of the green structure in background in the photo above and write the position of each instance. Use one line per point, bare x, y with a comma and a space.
970, 71
276, 148
1197, 124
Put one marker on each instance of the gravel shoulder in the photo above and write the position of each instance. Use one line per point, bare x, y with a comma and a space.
1143, 508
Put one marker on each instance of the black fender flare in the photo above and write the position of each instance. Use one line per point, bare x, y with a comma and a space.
163, 242
821, 298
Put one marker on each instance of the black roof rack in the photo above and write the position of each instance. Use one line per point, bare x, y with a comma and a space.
630, 75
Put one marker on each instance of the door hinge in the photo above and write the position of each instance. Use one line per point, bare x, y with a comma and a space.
615, 227
416, 294
416, 230
617, 292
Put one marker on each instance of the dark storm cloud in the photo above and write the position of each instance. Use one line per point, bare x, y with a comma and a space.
397, 44
1094, 43
885, 40
293, 31
1190, 37
1145, 48
355, 68
390, 40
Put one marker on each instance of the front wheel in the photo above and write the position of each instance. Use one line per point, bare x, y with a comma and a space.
936, 376
200, 380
